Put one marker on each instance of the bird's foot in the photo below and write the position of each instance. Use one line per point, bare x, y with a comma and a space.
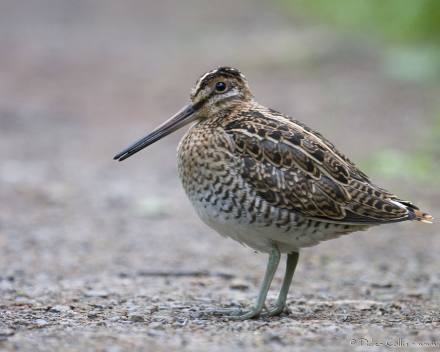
243, 314
234, 313
279, 308
254, 312
226, 311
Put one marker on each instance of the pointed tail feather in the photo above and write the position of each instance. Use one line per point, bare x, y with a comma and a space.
421, 216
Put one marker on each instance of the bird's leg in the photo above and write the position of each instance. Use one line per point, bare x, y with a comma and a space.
292, 260
274, 259
259, 305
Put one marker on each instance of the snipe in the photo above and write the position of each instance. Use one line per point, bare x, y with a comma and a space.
268, 181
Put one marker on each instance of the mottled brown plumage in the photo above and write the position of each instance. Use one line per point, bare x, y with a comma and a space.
267, 180
295, 168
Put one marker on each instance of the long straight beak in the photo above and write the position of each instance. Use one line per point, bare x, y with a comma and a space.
182, 118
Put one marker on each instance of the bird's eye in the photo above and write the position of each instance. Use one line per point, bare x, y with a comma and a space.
220, 86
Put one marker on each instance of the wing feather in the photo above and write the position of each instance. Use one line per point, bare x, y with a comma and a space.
295, 168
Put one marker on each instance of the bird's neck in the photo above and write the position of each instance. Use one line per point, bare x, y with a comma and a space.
228, 113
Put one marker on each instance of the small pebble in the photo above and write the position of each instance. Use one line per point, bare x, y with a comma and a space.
41, 322
239, 285
136, 318
157, 326
156, 333
273, 336
6, 332
96, 293
58, 309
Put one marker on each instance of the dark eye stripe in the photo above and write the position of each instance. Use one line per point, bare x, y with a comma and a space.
213, 92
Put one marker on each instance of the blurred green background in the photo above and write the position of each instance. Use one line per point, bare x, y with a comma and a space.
407, 35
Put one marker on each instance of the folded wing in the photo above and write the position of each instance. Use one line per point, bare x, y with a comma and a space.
293, 167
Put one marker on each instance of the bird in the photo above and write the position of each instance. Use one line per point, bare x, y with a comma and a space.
267, 180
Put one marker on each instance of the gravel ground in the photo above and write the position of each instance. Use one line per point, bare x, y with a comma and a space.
103, 256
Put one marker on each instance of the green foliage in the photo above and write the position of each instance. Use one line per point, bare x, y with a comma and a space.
423, 164
396, 164
410, 33
410, 27
413, 63
403, 21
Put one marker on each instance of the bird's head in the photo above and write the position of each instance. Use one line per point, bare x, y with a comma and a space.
218, 90
215, 91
